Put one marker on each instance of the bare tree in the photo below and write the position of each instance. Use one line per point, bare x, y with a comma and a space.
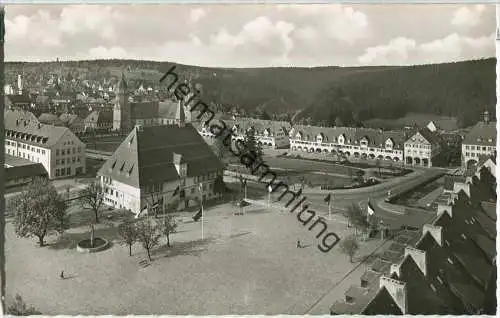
39, 209
168, 226
356, 218
92, 198
349, 246
148, 234
128, 233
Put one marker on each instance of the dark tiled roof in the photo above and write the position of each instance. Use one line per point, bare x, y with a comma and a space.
100, 117
419, 291
30, 131
382, 304
490, 209
68, 119
16, 161
50, 119
33, 170
482, 133
19, 98
449, 181
144, 110
376, 137
260, 126
146, 156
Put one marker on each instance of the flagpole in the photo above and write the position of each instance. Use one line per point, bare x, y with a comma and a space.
201, 201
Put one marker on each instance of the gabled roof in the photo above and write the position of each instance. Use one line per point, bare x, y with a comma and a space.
144, 110
484, 134
146, 156
100, 116
32, 132
428, 135
50, 119
382, 304
376, 137
69, 119
32, 170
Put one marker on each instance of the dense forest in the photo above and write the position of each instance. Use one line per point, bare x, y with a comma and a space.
462, 90
321, 95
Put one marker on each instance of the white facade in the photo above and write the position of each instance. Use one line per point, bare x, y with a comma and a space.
419, 151
348, 148
471, 152
65, 158
123, 196
278, 140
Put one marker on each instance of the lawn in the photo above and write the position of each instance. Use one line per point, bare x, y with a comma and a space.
245, 264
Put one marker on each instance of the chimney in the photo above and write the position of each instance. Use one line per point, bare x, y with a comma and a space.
435, 231
458, 186
419, 257
486, 117
445, 209
397, 290
396, 268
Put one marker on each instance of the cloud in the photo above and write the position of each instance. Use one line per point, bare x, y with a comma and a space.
469, 16
197, 14
396, 51
250, 35
452, 47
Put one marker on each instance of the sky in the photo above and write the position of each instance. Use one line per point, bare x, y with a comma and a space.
253, 35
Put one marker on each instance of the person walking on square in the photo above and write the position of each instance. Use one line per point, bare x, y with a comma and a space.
62, 275
298, 244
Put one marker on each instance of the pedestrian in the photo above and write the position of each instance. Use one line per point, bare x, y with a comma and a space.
62, 275
298, 244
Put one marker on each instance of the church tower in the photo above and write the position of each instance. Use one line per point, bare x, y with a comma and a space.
121, 111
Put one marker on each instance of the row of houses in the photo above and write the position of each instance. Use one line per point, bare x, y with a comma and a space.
417, 147
447, 268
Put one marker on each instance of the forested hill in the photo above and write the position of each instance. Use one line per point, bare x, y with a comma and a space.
323, 95
463, 90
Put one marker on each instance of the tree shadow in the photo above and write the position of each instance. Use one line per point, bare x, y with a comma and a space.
70, 240
192, 248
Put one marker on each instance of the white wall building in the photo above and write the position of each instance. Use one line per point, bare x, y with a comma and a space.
153, 161
481, 140
60, 152
421, 148
348, 142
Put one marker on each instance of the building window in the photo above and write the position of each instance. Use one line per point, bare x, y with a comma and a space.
68, 171
57, 161
463, 236
62, 161
62, 172
57, 152
57, 172
43, 152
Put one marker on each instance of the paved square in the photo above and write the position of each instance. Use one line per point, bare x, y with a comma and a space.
246, 264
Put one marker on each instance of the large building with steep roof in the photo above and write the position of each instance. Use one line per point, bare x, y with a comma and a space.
60, 152
153, 161
422, 147
481, 140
